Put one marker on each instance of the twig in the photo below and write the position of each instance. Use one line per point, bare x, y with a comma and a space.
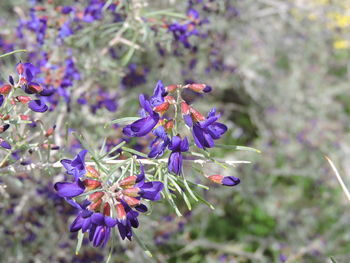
340, 180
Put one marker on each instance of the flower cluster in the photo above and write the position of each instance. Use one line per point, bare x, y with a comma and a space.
109, 202
14, 94
156, 119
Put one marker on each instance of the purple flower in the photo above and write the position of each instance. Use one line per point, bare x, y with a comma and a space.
205, 132
1, 100
158, 94
4, 144
148, 190
37, 106
66, 189
134, 77
175, 159
93, 11
75, 167
144, 125
159, 144
224, 180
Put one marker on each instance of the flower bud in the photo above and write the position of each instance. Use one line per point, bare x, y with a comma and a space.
50, 131
131, 201
34, 87
106, 209
94, 197
24, 117
91, 172
23, 99
224, 180
4, 127
168, 125
127, 182
171, 88
132, 192
5, 89
95, 206
91, 184
202, 88
185, 109
196, 115
20, 68
4, 117
120, 211
162, 108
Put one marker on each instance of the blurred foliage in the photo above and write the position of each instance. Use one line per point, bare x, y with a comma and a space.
286, 93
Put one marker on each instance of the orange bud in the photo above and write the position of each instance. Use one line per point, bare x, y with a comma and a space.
216, 178
127, 182
91, 184
24, 117
91, 172
132, 192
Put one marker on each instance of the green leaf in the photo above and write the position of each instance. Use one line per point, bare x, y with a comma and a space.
166, 12
123, 120
12, 52
80, 241
333, 260
134, 152
237, 148
183, 194
170, 198
142, 245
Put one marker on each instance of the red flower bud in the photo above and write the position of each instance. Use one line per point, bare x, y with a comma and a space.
162, 108
5, 89
127, 182
50, 131
24, 117
185, 109
23, 99
131, 201
106, 209
199, 87
171, 88
4, 117
95, 206
35, 88
94, 197
196, 115
91, 172
91, 184
169, 125
121, 214
19, 68
132, 192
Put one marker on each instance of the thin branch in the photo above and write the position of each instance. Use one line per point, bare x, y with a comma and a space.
340, 180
